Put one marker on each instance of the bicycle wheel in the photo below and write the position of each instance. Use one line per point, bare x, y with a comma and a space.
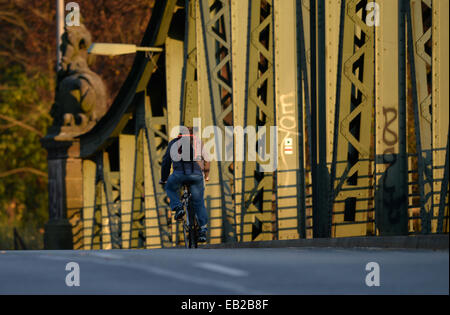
195, 236
186, 235
192, 227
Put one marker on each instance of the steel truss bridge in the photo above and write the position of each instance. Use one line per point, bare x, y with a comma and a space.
359, 93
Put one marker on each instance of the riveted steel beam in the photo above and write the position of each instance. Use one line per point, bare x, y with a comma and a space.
156, 140
137, 238
440, 109
89, 168
304, 111
127, 153
319, 172
391, 160
189, 102
216, 36
239, 38
110, 202
351, 184
213, 199
174, 76
290, 142
257, 209
420, 65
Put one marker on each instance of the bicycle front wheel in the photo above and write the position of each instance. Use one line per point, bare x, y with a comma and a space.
186, 236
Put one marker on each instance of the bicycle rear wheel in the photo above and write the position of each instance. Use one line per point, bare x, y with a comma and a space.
186, 235
193, 238
193, 233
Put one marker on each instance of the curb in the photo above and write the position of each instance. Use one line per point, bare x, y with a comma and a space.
432, 242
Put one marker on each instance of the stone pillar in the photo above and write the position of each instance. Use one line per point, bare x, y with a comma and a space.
80, 102
65, 192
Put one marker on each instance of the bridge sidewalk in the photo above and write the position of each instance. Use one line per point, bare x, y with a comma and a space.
430, 242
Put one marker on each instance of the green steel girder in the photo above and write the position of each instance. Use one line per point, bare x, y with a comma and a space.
289, 119
440, 111
391, 162
216, 28
351, 184
111, 202
420, 63
137, 239
239, 37
157, 139
189, 103
257, 207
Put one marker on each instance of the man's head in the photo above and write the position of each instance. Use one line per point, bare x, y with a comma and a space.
188, 139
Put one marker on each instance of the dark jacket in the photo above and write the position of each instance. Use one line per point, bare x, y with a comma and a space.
189, 167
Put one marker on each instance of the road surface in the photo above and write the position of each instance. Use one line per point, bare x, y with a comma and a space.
225, 271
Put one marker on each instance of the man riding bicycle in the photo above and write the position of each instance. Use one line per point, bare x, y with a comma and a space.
190, 166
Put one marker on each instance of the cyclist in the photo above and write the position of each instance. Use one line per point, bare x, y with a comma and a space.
189, 167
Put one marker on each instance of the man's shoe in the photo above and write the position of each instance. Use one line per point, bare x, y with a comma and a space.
179, 213
202, 235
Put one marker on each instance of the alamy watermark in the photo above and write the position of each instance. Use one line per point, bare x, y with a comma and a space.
372, 18
373, 277
73, 277
373, 14
228, 144
73, 17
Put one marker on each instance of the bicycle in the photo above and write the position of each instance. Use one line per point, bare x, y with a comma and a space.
190, 224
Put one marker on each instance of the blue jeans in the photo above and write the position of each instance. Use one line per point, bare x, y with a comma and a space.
195, 181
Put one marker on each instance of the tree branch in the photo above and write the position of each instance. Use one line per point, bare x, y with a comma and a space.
24, 170
21, 124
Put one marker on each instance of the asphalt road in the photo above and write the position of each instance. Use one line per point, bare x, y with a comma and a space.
225, 271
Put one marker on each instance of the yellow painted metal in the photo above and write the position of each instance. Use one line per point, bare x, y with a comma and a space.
127, 152
307, 82
354, 26
212, 188
422, 61
190, 100
190, 108
287, 118
307, 35
332, 23
392, 164
74, 199
138, 193
174, 76
259, 214
386, 103
97, 232
151, 223
440, 96
386, 74
110, 192
154, 142
414, 226
106, 231
217, 38
89, 169
159, 41
239, 33
174, 72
